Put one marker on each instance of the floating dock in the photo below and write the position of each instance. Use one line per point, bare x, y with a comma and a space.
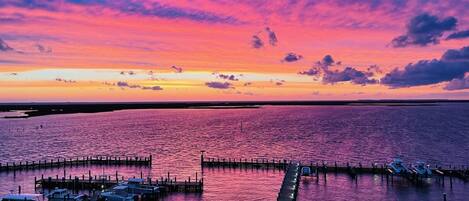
77, 161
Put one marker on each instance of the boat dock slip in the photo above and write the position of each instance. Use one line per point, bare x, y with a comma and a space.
77, 161
461, 172
289, 189
96, 183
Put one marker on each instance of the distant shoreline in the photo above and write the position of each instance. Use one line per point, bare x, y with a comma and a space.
41, 109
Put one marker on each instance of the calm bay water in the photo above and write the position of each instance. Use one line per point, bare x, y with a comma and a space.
435, 134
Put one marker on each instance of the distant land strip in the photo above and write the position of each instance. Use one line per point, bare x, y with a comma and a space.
49, 108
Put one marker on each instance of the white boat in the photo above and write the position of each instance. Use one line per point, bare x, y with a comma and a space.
306, 171
22, 197
128, 191
61, 194
397, 166
422, 169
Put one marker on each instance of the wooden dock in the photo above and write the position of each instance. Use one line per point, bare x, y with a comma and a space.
77, 183
77, 161
348, 168
289, 189
244, 163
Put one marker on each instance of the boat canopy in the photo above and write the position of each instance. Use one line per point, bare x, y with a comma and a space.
22, 197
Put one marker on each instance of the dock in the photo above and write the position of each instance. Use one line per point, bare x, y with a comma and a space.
460, 172
290, 184
77, 183
77, 161
289, 188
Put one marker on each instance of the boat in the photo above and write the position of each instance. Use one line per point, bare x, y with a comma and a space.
61, 194
397, 166
130, 190
22, 197
307, 171
422, 169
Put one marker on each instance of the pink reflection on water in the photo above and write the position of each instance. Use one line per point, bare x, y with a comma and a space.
376, 187
237, 184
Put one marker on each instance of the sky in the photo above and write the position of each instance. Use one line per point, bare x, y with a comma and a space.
231, 50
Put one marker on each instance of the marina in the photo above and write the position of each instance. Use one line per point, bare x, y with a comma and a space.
118, 187
341, 169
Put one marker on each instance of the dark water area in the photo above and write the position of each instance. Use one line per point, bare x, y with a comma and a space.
175, 137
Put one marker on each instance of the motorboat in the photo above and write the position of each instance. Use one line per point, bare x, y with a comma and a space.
421, 169
397, 166
306, 171
61, 194
129, 190
22, 197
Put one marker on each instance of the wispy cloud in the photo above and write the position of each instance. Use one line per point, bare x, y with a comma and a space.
4, 47
458, 35
177, 69
150, 9
128, 73
65, 80
123, 85
226, 76
43, 49
219, 85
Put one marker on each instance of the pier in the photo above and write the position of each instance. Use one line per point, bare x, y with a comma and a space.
102, 182
77, 161
290, 183
289, 188
460, 172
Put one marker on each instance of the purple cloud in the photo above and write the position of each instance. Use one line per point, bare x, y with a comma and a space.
291, 57
43, 49
458, 84
177, 69
4, 47
349, 74
154, 88
452, 65
219, 85
256, 42
424, 29
320, 66
150, 9
128, 73
458, 35
227, 77
64, 80
123, 84
272, 36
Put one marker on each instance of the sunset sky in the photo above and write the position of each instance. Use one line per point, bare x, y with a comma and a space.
176, 50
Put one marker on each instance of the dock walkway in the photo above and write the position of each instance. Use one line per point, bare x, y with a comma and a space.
93, 183
289, 189
77, 161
